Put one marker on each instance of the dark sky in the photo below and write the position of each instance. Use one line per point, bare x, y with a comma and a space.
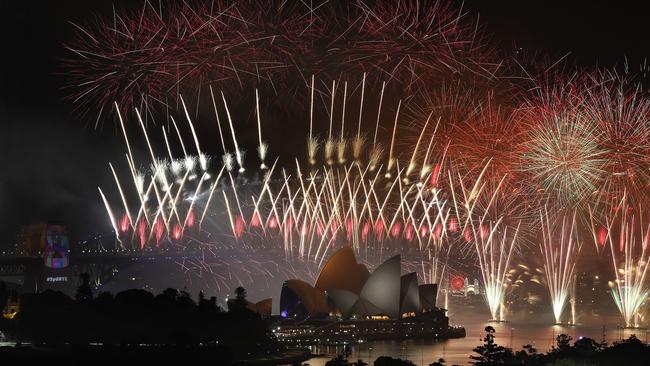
52, 164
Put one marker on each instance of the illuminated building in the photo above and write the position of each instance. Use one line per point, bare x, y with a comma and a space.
349, 305
347, 290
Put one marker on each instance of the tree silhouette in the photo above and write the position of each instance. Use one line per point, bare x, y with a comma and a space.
491, 353
239, 302
240, 294
563, 343
339, 360
84, 291
171, 293
389, 361
170, 321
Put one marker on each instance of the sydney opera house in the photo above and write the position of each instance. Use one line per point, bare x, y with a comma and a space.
347, 290
349, 304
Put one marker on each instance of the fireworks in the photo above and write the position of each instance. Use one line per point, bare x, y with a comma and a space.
563, 158
494, 249
448, 159
560, 249
628, 237
305, 212
621, 112
494, 245
146, 58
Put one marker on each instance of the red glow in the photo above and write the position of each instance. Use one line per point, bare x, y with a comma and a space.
457, 283
350, 228
622, 240
396, 229
485, 231
379, 229
409, 232
468, 235
453, 225
273, 222
158, 229
602, 236
435, 174
365, 231
190, 219
240, 226
142, 233
124, 223
255, 220
177, 232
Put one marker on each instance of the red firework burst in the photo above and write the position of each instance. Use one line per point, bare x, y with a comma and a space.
620, 111
141, 58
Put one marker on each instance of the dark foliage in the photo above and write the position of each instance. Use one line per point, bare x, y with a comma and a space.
585, 351
342, 359
491, 353
389, 361
84, 291
239, 302
173, 327
136, 317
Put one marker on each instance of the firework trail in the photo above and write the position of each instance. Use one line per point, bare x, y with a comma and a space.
304, 213
620, 111
494, 242
391, 152
628, 236
147, 57
560, 254
502, 161
470, 129
494, 251
263, 147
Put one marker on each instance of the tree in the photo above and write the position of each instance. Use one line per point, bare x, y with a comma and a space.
84, 291
342, 359
491, 353
389, 361
563, 343
171, 294
240, 294
528, 354
339, 360
239, 302
630, 351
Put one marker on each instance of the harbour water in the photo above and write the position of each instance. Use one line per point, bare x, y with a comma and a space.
535, 330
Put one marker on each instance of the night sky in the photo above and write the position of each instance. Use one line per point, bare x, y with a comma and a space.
52, 162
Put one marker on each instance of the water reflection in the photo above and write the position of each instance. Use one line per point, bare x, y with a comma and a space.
515, 334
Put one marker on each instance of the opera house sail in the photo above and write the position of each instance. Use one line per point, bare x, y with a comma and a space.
347, 303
